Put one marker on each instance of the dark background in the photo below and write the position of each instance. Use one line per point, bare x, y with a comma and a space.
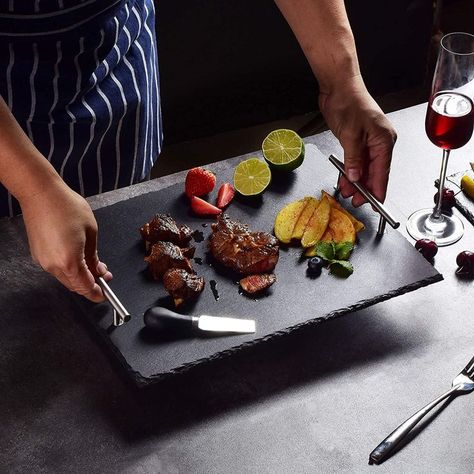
231, 71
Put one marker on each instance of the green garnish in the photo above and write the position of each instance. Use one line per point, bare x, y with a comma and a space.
336, 255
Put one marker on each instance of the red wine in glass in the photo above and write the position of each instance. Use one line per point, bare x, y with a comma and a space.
449, 120
449, 125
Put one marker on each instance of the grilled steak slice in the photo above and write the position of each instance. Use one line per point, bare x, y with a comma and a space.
247, 253
163, 228
256, 283
182, 286
166, 255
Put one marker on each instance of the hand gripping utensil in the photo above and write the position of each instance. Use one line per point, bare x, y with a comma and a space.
121, 315
385, 215
463, 383
162, 319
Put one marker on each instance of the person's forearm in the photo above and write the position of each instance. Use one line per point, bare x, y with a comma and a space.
325, 36
23, 170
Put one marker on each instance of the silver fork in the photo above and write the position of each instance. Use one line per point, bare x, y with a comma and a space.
463, 383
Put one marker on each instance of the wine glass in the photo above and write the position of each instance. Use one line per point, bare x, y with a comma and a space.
449, 124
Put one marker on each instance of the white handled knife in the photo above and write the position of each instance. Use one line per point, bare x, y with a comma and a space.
162, 319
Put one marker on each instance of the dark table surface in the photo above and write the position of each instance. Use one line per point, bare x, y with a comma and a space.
318, 400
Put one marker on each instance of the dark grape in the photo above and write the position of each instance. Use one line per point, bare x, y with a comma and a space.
427, 248
448, 199
465, 262
315, 266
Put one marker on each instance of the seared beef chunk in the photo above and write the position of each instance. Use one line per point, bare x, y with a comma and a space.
188, 252
256, 283
164, 228
166, 255
182, 286
245, 252
185, 235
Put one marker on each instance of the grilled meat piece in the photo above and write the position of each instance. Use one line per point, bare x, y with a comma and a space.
188, 252
163, 228
185, 235
182, 286
166, 255
247, 253
256, 283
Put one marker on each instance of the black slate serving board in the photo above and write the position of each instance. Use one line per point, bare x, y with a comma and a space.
384, 267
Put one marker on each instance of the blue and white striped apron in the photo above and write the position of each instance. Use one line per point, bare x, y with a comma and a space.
81, 78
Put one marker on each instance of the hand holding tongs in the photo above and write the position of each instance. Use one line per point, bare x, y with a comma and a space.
385, 215
121, 315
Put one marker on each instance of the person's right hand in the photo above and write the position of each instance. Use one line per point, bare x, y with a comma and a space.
62, 233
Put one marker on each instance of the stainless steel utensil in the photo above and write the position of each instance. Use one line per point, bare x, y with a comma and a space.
385, 215
162, 319
463, 383
121, 315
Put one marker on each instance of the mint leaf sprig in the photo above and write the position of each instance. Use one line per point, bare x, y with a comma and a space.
336, 255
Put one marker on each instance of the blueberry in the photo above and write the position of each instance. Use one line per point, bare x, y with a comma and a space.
315, 266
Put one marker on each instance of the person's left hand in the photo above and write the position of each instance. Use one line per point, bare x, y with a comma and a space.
365, 134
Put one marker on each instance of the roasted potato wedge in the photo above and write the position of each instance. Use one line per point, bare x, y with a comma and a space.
311, 205
358, 225
286, 220
317, 224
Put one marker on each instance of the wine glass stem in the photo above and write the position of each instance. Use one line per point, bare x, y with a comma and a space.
442, 178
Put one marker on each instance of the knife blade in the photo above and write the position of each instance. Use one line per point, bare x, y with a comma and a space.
163, 319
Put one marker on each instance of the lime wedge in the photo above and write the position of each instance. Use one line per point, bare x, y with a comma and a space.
283, 149
251, 177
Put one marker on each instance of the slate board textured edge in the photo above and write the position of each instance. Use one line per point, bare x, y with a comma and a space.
116, 356
460, 201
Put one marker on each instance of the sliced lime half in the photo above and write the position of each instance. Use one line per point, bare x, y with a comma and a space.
283, 149
251, 177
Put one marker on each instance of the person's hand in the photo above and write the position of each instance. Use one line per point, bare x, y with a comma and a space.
365, 134
62, 233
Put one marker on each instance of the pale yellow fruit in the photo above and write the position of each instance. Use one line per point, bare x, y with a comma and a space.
340, 229
286, 219
317, 224
467, 185
311, 205
358, 225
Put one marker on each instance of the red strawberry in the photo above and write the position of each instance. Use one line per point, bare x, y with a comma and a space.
204, 208
225, 195
199, 182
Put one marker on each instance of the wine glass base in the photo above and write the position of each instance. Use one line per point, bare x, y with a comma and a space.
444, 231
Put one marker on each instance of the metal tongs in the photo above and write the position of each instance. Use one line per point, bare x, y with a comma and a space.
385, 215
120, 315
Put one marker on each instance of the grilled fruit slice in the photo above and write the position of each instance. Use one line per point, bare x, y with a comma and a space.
286, 220
256, 283
340, 228
358, 225
182, 285
311, 203
233, 245
317, 224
